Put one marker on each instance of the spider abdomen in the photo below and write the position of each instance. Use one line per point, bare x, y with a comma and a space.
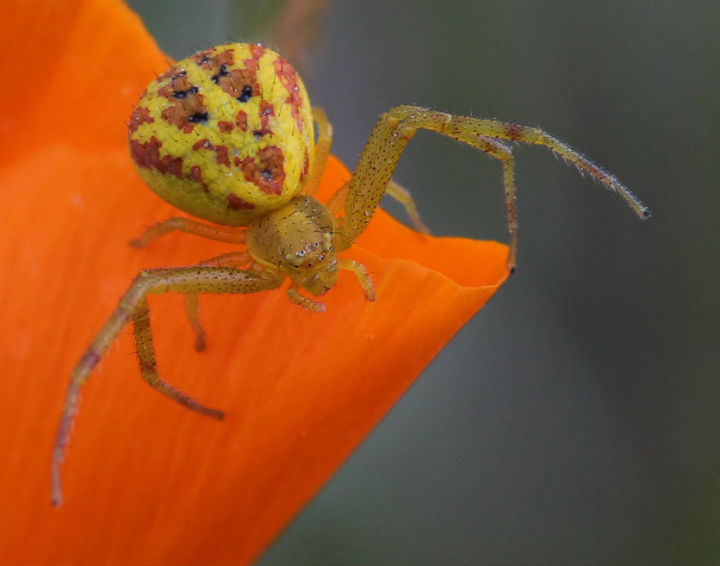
225, 134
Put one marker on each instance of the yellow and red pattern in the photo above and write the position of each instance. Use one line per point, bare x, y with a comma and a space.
225, 134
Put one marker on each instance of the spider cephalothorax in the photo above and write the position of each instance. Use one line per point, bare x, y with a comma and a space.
297, 239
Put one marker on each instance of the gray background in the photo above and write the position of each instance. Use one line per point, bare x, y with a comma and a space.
575, 419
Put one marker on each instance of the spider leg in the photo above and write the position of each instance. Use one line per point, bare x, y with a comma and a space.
301, 300
133, 306
211, 231
322, 151
362, 275
403, 196
192, 309
504, 154
148, 365
216, 232
336, 203
192, 306
396, 128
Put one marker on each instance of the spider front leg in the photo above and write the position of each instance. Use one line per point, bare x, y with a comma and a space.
396, 128
336, 203
133, 305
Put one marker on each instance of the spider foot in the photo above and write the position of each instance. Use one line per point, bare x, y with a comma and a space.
362, 276
137, 243
200, 342
298, 299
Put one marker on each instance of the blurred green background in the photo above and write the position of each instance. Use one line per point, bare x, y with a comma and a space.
576, 419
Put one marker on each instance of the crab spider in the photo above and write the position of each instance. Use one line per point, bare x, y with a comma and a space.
228, 135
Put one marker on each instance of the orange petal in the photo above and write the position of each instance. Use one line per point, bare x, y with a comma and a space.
145, 480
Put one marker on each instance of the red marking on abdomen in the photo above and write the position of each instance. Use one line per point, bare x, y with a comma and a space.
266, 110
147, 156
234, 81
241, 120
140, 115
196, 175
171, 72
236, 203
306, 165
221, 151
268, 172
257, 50
206, 60
187, 104
289, 79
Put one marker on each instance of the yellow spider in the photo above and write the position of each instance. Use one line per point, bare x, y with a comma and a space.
228, 135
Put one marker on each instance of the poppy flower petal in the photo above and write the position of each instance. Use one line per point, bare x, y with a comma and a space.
145, 480
76, 68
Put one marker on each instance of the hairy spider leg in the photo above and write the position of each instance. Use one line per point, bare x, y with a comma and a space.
322, 150
355, 267
133, 305
192, 310
396, 128
361, 273
403, 196
336, 203
503, 153
192, 305
217, 232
